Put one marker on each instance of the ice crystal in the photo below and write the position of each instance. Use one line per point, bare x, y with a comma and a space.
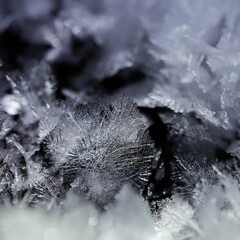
100, 146
90, 149
188, 171
179, 68
213, 214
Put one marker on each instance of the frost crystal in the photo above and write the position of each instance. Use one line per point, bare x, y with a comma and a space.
179, 62
188, 171
100, 146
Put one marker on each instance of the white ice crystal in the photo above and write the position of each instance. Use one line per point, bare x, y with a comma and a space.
22, 173
199, 60
10, 104
213, 215
32, 93
188, 54
100, 146
175, 215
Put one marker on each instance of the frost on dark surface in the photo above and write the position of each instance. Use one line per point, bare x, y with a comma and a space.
187, 171
100, 146
95, 95
50, 148
22, 174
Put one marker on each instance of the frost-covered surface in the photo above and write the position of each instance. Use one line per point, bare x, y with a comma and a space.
213, 215
97, 150
56, 147
95, 96
79, 220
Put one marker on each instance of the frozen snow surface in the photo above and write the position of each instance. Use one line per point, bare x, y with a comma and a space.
120, 119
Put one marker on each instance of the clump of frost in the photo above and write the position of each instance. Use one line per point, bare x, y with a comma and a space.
187, 171
131, 209
32, 92
22, 173
78, 219
100, 146
56, 147
175, 215
200, 61
214, 213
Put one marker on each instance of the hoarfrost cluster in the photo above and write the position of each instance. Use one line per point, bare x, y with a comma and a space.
119, 119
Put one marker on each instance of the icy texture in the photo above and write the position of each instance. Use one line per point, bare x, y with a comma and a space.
49, 148
100, 146
32, 92
79, 219
193, 76
214, 215
22, 174
179, 60
188, 171
185, 58
189, 63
